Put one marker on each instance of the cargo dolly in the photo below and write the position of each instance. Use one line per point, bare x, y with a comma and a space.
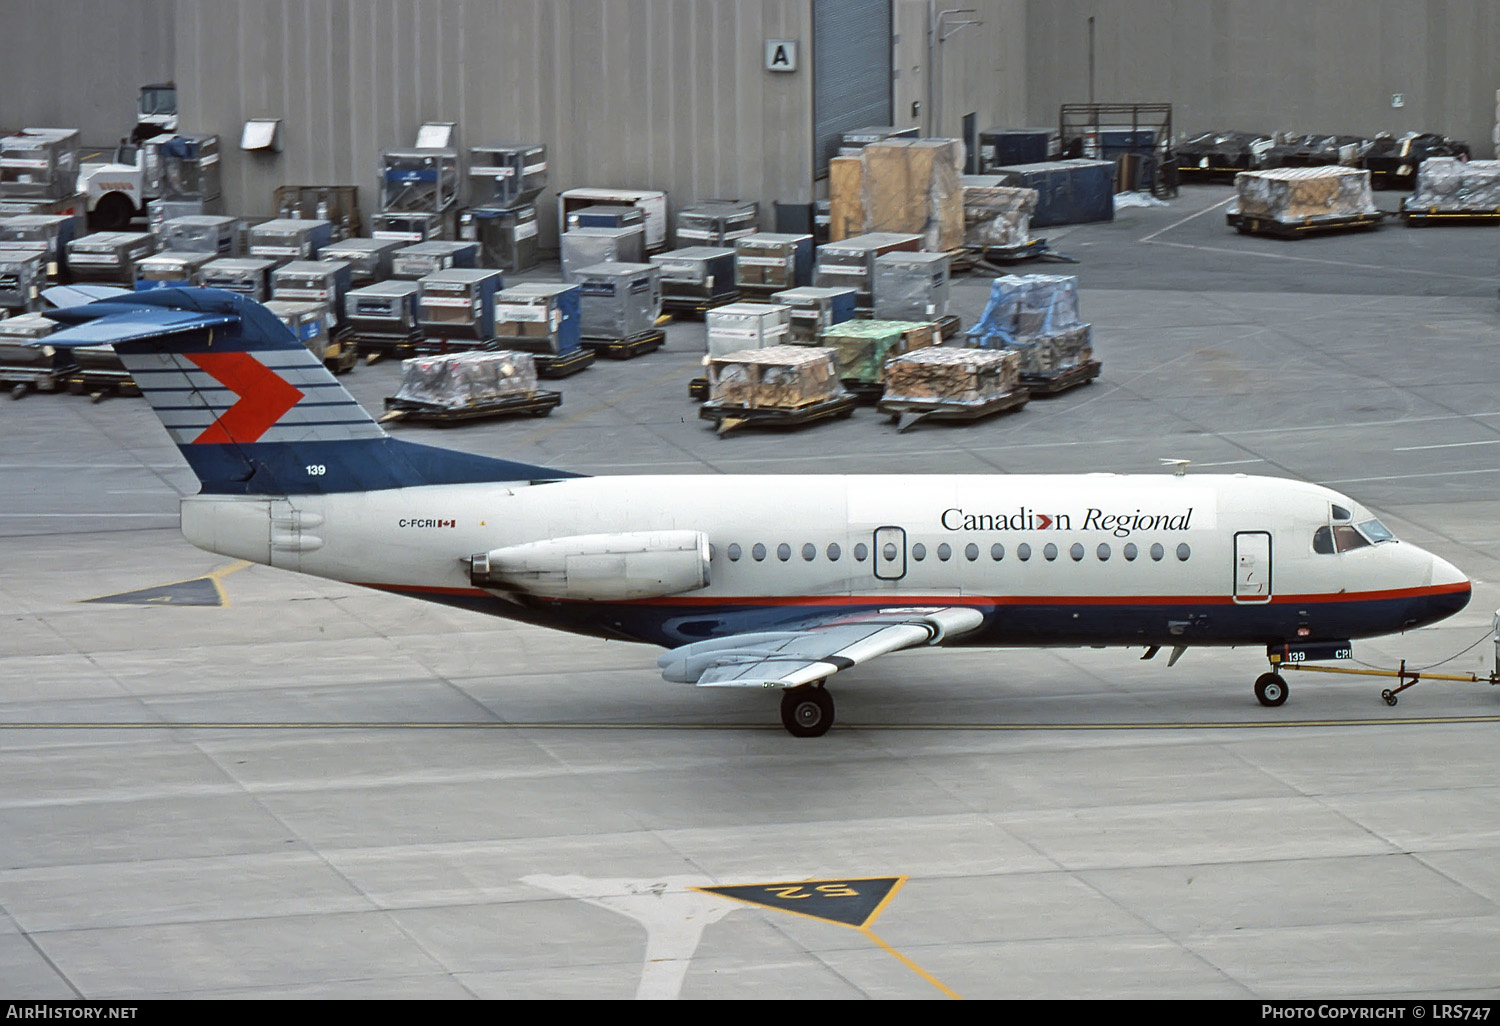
1248, 224
538, 404
564, 364
729, 417
1419, 217
626, 348
697, 305
375, 347
1061, 381
907, 413
96, 384
698, 389
41, 376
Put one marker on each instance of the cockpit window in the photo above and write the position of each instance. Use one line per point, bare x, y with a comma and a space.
1340, 513
1347, 538
1376, 531
1323, 541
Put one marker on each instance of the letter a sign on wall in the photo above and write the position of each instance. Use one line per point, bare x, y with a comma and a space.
781, 55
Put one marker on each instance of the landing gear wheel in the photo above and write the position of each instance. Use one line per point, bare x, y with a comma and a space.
1389, 696
1270, 689
806, 711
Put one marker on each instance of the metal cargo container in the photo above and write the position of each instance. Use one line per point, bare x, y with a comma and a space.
24, 366
459, 303
413, 262
618, 300
717, 222
408, 227
855, 139
767, 260
539, 317
307, 321
814, 308
249, 276
201, 233
285, 239
742, 326
314, 281
108, 256
652, 201
606, 215
850, 263
52, 232
584, 247
173, 269
419, 179
387, 309
507, 238
39, 163
507, 174
23, 275
696, 274
1002, 147
369, 260
911, 286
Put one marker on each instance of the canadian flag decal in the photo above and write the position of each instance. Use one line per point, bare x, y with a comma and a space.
264, 397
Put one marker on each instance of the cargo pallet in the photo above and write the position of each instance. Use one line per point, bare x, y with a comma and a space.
560, 366
727, 418
1033, 250
374, 347
866, 393
1061, 381
537, 404
23, 380
98, 384
627, 348
1418, 217
1249, 225
697, 305
949, 325
906, 413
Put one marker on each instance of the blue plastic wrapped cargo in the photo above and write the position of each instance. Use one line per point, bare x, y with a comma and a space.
1068, 191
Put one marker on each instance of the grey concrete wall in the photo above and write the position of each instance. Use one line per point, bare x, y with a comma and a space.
979, 69
80, 63
652, 94
1277, 65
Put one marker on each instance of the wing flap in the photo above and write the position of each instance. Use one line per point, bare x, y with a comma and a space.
787, 659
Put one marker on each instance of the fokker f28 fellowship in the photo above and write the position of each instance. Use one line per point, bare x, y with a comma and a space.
755, 581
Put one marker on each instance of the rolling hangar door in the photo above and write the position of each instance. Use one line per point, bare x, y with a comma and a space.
851, 64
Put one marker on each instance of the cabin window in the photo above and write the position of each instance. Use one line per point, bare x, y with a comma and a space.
1323, 541
945, 552
1023, 551
809, 552
734, 552
1102, 553
889, 552
1049, 552
783, 552
1130, 552
861, 552
834, 552
1157, 552
971, 552
1076, 551
1183, 552
997, 552
918, 552
758, 552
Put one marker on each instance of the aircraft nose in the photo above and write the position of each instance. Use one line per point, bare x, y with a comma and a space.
1450, 589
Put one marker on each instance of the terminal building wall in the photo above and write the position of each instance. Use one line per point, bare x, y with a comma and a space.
1328, 66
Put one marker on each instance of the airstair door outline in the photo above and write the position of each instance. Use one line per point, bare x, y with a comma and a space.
1252, 566
890, 553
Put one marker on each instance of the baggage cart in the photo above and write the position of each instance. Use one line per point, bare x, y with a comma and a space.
25, 367
383, 318
619, 304
543, 318
696, 279
1281, 229
456, 307
99, 372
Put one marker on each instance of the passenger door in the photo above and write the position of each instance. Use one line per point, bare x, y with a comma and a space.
1252, 566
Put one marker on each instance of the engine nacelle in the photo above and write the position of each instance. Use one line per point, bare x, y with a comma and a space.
599, 567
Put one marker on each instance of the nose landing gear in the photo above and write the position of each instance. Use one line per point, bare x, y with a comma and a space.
1270, 689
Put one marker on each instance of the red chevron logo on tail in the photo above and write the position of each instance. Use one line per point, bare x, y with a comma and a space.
264, 397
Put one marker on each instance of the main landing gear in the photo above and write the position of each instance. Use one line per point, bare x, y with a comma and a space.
807, 710
1270, 689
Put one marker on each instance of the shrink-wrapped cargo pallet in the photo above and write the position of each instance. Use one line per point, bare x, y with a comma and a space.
455, 381
913, 185
997, 216
970, 376
863, 347
1449, 184
779, 377
1293, 194
1036, 316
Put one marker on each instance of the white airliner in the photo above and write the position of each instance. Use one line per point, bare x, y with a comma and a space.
755, 581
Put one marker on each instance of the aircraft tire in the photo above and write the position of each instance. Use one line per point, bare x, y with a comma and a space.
1270, 689
806, 711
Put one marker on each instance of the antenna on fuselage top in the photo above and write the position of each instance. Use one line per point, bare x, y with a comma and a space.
1179, 467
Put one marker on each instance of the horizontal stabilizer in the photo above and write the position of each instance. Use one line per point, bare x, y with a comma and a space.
78, 295
131, 324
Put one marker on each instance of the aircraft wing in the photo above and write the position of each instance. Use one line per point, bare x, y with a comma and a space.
786, 659
132, 324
